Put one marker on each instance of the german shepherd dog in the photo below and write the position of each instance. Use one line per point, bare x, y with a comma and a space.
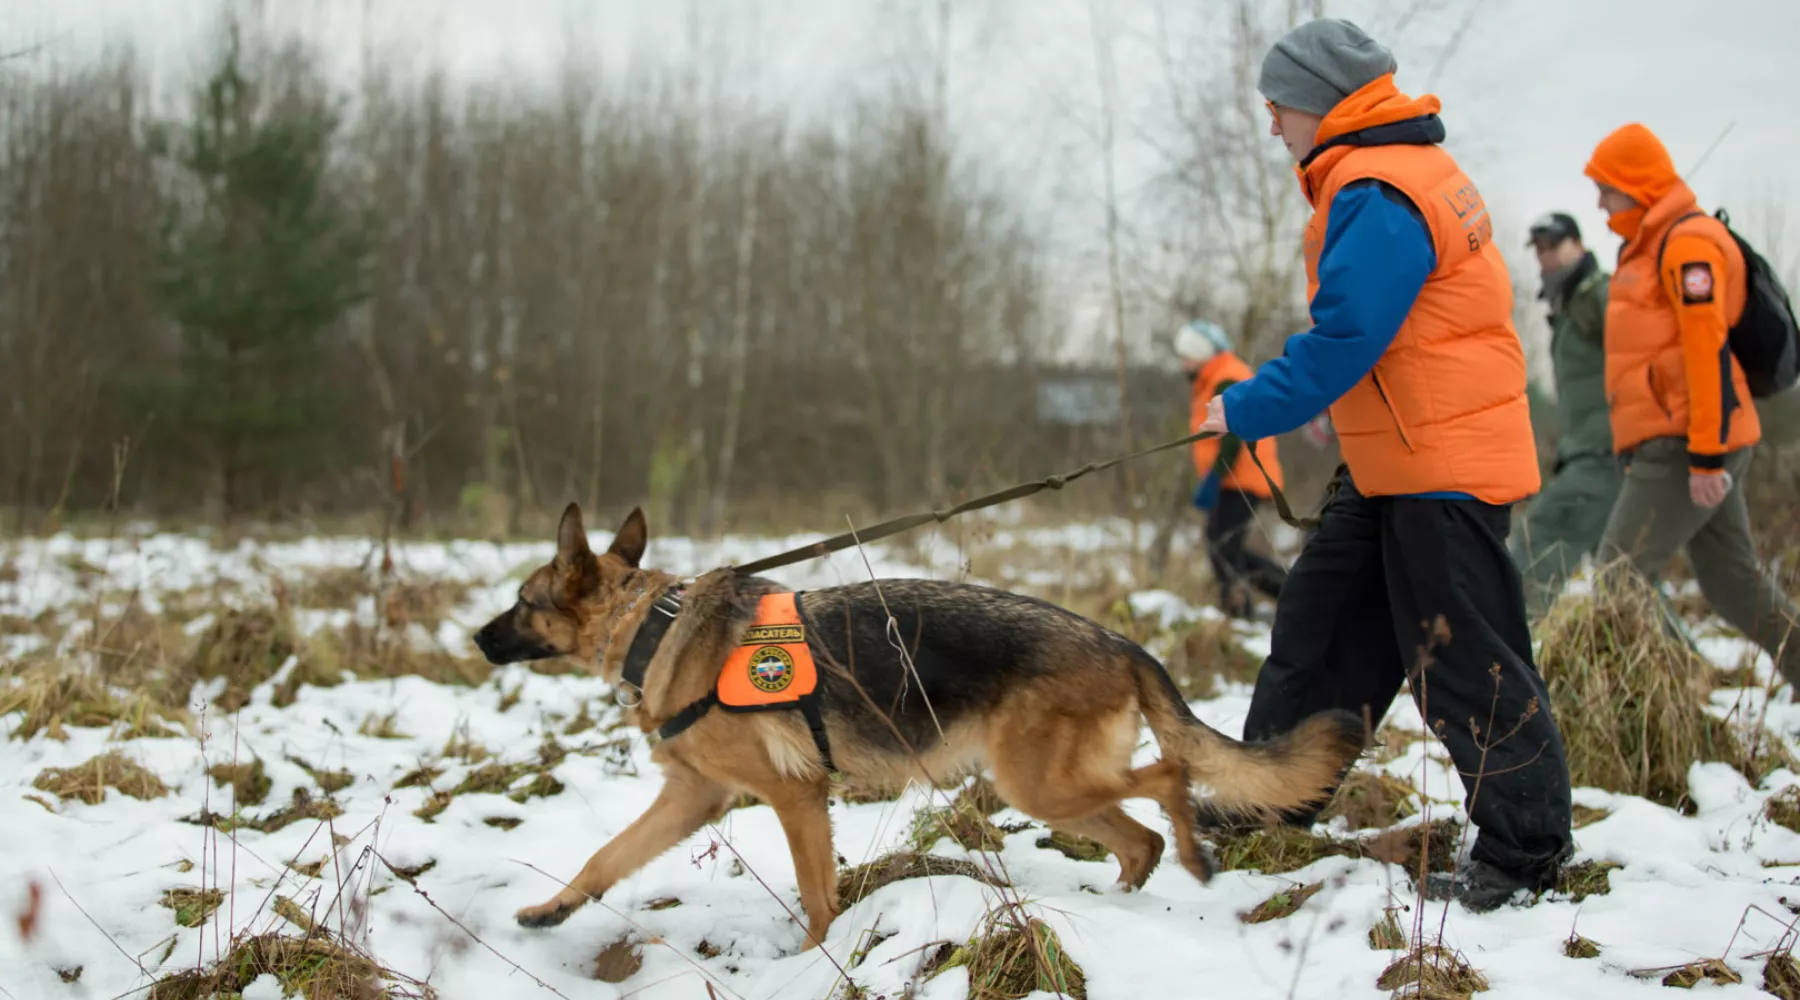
1046, 700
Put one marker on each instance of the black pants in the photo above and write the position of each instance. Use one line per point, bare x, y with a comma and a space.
1234, 563
1360, 614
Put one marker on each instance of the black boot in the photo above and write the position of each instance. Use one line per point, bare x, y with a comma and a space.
1481, 886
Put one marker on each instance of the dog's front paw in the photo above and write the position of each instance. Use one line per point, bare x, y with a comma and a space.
544, 914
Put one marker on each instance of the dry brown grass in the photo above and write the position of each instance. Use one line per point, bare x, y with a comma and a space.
249, 785
1781, 976
1634, 721
1007, 961
1783, 808
381, 727
1387, 935
245, 647
328, 781
1577, 946
1432, 972
1711, 970
382, 654
423, 602
89, 781
1370, 799
52, 696
964, 820
1587, 816
1205, 652
314, 967
858, 883
299, 808
1073, 847
1281, 850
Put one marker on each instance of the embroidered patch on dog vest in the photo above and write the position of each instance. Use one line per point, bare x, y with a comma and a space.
771, 665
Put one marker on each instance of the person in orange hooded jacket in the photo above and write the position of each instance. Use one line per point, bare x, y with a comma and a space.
1413, 351
1232, 486
1681, 412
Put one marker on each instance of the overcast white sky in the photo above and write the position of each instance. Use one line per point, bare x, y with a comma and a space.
1531, 88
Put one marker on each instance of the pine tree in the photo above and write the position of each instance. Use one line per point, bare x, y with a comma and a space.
258, 262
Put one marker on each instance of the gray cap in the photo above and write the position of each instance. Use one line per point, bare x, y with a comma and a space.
1320, 63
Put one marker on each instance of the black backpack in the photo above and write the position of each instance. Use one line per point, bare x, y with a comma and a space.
1766, 339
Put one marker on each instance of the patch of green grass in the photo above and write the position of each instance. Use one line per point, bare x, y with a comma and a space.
1387, 935
1007, 961
192, 906
964, 820
301, 807
1587, 878
1281, 905
313, 966
1579, 947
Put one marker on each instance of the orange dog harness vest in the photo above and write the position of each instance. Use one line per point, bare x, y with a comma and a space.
771, 668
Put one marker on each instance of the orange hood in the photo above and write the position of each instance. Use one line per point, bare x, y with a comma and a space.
1379, 102
1635, 161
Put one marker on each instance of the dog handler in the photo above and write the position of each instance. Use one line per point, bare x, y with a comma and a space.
1412, 348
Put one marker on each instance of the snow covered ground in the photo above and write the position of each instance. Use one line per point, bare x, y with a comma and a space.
1685, 885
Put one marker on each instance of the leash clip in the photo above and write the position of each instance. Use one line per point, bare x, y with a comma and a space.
627, 695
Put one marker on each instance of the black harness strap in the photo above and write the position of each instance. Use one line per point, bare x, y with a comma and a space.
643, 649
809, 710
649, 636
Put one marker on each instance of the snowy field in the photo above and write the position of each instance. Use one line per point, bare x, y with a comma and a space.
712, 917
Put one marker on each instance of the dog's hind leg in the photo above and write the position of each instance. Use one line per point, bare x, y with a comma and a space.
687, 802
1072, 771
806, 819
1137, 847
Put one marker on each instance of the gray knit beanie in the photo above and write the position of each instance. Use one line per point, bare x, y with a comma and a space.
1320, 63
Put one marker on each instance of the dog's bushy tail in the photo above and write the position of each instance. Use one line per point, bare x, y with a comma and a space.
1238, 781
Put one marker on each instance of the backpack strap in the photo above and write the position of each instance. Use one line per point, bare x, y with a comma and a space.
1660, 250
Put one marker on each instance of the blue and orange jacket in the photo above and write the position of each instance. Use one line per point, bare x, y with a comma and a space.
1412, 347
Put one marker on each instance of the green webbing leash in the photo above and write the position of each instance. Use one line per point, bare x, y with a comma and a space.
910, 521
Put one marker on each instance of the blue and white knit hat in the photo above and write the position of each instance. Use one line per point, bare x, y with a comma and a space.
1200, 340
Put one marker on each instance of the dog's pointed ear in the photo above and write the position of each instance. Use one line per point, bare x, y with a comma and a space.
571, 539
633, 535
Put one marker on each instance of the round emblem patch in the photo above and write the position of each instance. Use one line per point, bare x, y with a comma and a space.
771, 669
1697, 281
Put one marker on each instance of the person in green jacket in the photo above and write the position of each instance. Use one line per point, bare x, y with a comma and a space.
1566, 519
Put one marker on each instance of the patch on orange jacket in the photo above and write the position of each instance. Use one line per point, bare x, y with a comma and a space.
1696, 282
772, 666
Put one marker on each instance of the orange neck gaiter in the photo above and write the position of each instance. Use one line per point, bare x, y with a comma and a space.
1627, 223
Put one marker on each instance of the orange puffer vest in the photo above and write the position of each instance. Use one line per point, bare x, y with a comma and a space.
1243, 476
1648, 385
1444, 409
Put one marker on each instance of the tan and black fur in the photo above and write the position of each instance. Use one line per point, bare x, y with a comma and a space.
1047, 701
